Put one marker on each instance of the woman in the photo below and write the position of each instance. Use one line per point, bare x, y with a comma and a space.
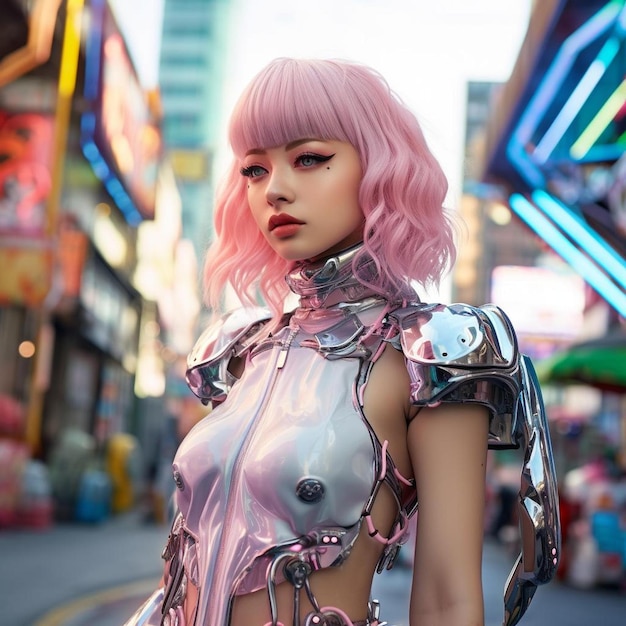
331, 420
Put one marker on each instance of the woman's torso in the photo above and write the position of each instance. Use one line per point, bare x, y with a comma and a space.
290, 454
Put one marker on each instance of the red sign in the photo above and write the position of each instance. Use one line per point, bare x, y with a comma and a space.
25, 182
25, 173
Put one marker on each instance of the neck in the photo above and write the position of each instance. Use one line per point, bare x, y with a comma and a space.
331, 280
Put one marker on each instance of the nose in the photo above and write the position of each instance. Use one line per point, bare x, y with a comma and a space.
279, 188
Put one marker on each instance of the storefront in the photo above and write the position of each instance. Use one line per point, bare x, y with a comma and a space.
81, 147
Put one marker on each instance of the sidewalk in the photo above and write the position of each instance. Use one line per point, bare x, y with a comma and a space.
77, 574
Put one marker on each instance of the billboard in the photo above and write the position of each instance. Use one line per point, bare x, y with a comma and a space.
25, 183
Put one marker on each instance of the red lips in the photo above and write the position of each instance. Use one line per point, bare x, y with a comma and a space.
282, 219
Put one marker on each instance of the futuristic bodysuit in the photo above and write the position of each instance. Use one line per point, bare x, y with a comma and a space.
277, 481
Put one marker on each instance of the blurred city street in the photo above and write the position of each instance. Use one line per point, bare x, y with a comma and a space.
81, 575
112, 146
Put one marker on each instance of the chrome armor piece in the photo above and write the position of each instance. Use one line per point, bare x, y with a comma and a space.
273, 485
459, 353
207, 364
538, 503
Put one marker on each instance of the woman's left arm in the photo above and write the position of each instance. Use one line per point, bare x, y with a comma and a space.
448, 449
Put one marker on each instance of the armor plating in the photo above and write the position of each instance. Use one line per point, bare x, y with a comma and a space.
207, 372
274, 485
459, 353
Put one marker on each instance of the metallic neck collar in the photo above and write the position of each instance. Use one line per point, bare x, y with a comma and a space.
332, 280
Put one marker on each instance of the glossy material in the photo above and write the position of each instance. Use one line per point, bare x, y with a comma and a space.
207, 364
538, 503
275, 484
459, 353
149, 613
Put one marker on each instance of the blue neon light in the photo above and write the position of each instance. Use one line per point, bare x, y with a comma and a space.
606, 153
576, 100
88, 122
560, 67
517, 155
574, 226
620, 28
90, 150
110, 181
570, 232
93, 50
538, 222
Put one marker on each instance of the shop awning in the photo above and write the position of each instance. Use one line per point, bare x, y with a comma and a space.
600, 363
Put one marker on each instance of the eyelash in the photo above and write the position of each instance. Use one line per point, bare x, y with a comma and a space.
318, 158
248, 172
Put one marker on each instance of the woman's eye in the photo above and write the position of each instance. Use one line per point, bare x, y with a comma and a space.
309, 160
253, 171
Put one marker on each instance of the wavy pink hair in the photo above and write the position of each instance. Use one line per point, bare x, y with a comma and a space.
407, 231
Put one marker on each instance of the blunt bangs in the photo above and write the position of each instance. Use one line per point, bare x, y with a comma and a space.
290, 100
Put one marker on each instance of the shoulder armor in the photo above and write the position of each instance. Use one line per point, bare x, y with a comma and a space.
461, 353
207, 364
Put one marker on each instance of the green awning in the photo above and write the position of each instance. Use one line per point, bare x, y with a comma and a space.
600, 363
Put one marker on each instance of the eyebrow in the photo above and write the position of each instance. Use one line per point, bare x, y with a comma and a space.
289, 146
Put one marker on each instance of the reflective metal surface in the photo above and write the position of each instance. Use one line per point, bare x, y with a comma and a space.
149, 613
207, 364
538, 504
459, 353
241, 470
273, 485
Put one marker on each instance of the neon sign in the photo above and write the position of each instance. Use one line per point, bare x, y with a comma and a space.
119, 136
577, 115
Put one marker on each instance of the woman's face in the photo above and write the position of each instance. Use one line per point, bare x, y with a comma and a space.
304, 197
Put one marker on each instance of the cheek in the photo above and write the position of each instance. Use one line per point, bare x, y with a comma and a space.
346, 186
255, 209
350, 196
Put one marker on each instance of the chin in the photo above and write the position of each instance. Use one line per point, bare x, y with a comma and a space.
290, 253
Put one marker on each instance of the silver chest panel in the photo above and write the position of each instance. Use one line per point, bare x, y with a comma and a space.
286, 454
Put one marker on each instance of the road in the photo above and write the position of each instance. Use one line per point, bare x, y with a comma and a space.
77, 575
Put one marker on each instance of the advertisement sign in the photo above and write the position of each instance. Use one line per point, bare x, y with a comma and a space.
539, 300
25, 173
119, 134
28, 35
25, 183
25, 275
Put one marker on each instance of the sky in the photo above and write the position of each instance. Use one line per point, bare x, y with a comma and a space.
426, 50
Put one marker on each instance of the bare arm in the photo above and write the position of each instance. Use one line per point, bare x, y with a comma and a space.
448, 448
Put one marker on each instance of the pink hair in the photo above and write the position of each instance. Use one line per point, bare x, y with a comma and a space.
407, 231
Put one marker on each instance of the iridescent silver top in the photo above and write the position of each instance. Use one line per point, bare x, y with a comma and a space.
278, 479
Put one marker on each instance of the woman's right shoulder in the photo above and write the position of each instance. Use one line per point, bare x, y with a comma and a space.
226, 337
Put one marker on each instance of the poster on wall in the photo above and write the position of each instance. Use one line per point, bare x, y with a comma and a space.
25, 173
25, 183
